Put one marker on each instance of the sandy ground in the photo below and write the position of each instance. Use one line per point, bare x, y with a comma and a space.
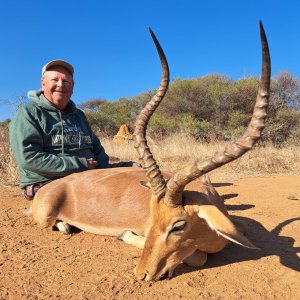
43, 264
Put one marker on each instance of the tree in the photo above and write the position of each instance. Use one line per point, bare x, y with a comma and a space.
107, 117
208, 107
286, 91
91, 104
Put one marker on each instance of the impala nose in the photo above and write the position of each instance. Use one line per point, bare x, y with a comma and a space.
140, 275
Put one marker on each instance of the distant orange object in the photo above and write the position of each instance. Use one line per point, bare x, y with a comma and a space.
124, 135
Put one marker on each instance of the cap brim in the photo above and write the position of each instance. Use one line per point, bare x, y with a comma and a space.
58, 62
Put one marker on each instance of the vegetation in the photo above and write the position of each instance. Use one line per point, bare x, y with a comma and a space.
171, 154
209, 108
107, 117
206, 113
8, 167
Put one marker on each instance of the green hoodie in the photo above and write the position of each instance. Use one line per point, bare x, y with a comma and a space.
48, 143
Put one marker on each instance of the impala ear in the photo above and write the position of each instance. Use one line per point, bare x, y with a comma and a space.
145, 184
220, 223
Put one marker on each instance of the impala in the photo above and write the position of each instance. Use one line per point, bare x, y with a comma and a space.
173, 218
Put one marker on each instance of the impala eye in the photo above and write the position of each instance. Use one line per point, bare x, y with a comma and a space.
178, 227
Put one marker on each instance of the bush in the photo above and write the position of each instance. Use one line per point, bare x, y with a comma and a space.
282, 127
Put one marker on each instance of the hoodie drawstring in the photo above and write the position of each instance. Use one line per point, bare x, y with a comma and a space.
62, 134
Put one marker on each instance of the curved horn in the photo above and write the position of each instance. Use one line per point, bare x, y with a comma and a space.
153, 172
180, 179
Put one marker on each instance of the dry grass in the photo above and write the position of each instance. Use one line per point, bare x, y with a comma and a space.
8, 167
178, 150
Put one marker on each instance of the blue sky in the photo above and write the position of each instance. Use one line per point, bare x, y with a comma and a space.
109, 45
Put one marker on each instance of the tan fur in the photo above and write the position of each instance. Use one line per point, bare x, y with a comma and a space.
112, 201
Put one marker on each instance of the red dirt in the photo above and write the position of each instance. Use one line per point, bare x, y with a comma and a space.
43, 264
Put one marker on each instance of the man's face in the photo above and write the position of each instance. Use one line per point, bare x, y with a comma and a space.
57, 84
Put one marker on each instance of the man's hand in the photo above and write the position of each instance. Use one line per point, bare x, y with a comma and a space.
136, 165
92, 164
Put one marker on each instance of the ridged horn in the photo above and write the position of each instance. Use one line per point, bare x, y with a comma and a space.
176, 184
157, 182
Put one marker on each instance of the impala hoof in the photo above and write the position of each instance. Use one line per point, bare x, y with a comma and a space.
121, 237
63, 227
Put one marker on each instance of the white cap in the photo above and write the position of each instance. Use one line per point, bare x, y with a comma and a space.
58, 62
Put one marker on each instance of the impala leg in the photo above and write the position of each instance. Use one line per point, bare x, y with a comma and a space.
197, 259
131, 238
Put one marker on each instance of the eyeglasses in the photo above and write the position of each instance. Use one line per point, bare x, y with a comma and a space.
63, 81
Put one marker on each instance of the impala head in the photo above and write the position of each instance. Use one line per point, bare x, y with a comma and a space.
183, 217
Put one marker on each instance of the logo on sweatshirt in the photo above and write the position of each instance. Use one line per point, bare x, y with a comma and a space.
73, 136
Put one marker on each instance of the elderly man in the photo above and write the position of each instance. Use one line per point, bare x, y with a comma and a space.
50, 137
